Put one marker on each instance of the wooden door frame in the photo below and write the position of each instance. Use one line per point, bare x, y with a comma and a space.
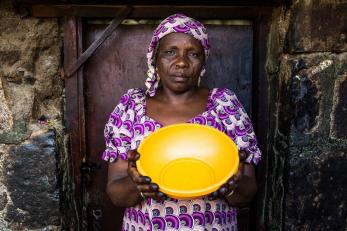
74, 90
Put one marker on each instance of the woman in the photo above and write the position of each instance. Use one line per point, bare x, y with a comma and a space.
176, 60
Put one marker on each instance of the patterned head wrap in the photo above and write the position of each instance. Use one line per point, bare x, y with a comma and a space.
177, 23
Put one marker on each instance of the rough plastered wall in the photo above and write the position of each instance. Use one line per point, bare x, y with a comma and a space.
31, 134
307, 156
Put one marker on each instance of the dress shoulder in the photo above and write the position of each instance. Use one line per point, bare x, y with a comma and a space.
222, 93
118, 130
237, 124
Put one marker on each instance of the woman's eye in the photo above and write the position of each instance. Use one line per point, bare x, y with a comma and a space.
194, 54
169, 52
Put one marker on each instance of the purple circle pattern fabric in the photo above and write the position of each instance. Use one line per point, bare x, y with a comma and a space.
176, 23
128, 125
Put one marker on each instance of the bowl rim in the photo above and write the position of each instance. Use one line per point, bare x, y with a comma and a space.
196, 193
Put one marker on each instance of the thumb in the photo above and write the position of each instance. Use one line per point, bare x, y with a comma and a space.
133, 156
242, 155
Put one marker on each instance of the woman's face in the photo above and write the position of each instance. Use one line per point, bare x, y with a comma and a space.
180, 58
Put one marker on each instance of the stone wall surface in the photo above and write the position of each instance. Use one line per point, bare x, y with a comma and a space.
31, 94
318, 26
31, 182
307, 69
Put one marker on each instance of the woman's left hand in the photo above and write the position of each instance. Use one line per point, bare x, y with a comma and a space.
240, 189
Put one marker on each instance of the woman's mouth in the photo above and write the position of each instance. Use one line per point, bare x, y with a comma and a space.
180, 78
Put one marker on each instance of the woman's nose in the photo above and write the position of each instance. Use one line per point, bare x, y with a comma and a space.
181, 61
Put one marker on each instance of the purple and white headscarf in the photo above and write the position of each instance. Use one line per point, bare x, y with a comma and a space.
176, 23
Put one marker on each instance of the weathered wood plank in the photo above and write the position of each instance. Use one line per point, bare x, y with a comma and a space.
72, 111
85, 55
149, 11
154, 2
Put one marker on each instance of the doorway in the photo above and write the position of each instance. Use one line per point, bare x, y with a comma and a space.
236, 62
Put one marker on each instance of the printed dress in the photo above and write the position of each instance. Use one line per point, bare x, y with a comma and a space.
128, 125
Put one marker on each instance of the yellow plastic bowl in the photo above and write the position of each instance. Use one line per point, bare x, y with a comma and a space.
188, 160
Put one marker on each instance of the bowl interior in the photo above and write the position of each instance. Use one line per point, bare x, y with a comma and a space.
188, 160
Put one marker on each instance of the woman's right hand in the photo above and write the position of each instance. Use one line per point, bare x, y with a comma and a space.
144, 184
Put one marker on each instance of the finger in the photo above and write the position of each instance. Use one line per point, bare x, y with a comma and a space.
145, 188
135, 175
142, 180
154, 187
148, 188
242, 155
132, 171
158, 196
132, 164
232, 185
213, 195
222, 190
149, 194
231, 182
227, 187
133, 156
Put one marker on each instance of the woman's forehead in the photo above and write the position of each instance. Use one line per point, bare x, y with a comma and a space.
179, 39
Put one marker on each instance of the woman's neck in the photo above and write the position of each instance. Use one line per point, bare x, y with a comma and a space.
171, 97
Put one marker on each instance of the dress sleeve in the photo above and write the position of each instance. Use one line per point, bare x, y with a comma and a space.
238, 125
118, 130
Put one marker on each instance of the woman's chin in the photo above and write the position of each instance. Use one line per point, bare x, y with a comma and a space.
181, 87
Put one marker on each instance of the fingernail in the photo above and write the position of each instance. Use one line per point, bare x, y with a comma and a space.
160, 194
231, 182
147, 179
154, 186
215, 194
137, 156
222, 190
